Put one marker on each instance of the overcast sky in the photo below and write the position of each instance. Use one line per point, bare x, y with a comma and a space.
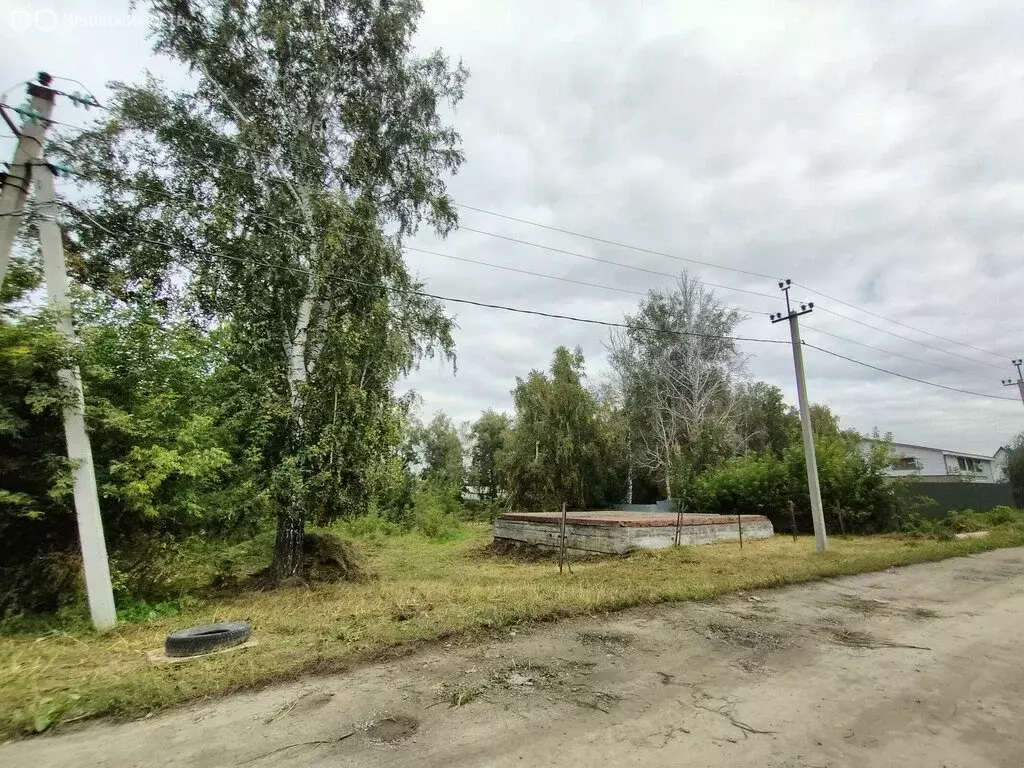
870, 150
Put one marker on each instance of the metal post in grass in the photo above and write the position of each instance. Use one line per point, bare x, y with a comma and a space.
680, 507
561, 543
792, 518
739, 527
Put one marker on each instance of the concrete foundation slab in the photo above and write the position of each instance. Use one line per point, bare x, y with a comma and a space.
617, 533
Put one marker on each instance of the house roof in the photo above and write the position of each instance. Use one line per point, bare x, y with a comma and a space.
943, 451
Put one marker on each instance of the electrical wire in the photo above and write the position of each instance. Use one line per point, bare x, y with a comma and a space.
490, 234
656, 272
720, 266
612, 263
908, 378
897, 322
551, 315
425, 294
815, 329
907, 338
616, 243
95, 101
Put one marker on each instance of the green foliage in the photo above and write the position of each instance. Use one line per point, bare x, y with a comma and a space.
675, 367
1014, 469
749, 485
560, 447
764, 422
319, 327
438, 451
370, 526
850, 479
1000, 518
489, 435
435, 512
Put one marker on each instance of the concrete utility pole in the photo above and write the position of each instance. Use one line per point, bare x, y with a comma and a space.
29, 167
87, 505
814, 490
16, 181
1019, 383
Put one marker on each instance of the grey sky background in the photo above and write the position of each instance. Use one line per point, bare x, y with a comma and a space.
872, 151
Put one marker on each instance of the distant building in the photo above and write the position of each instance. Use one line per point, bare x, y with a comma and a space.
941, 465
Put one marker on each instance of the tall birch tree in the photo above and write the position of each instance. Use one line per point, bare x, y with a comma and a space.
676, 365
272, 198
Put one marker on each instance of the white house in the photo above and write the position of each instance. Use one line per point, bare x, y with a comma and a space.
941, 465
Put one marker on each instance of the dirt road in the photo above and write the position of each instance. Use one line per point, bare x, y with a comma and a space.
922, 666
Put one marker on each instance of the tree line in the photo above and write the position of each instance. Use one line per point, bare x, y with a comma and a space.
676, 418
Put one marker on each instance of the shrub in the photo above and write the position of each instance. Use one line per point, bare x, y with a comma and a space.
435, 513
764, 485
751, 485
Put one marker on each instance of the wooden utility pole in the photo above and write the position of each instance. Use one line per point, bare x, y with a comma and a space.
813, 488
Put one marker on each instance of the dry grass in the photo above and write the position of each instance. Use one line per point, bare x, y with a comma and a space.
457, 588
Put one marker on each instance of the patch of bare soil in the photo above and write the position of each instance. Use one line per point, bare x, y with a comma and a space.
874, 607
865, 606
388, 730
744, 637
615, 639
853, 638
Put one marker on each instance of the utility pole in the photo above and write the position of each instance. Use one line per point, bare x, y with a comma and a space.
1019, 383
30, 167
31, 135
87, 505
814, 490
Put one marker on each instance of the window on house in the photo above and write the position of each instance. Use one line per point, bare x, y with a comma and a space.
908, 462
967, 464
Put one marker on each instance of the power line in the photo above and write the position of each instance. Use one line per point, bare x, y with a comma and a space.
552, 277
541, 246
897, 322
908, 378
523, 271
907, 338
615, 243
717, 266
425, 294
883, 350
555, 316
609, 262
640, 249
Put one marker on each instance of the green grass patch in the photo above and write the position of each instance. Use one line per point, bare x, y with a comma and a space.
423, 589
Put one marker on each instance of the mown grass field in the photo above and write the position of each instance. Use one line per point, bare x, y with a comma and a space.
421, 591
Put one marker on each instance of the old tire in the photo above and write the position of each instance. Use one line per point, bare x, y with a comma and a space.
207, 637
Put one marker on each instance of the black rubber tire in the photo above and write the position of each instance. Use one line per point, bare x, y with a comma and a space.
207, 637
